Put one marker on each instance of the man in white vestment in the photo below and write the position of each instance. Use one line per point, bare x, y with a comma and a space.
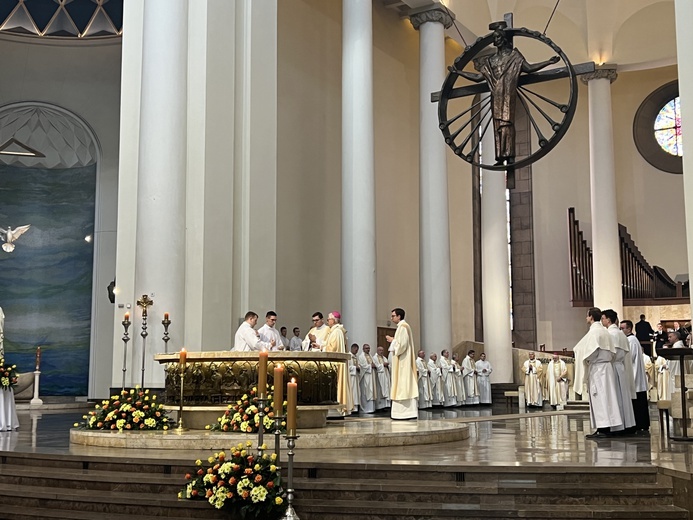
447, 371
354, 370
594, 376
285, 340
437, 396
295, 342
483, 379
663, 379
459, 381
382, 367
247, 338
404, 391
557, 379
651, 378
269, 333
317, 336
471, 388
368, 380
533, 370
423, 381
640, 403
623, 367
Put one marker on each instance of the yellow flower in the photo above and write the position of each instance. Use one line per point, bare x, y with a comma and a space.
198, 462
257, 467
273, 457
273, 468
165, 427
210, 459
76, 425
249, 443
153, 397
132, 392
207, 426
278, 501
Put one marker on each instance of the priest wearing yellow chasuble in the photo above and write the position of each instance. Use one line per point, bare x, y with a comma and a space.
336, 342
404, 392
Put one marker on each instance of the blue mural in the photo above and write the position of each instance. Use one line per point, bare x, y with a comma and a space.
46, 282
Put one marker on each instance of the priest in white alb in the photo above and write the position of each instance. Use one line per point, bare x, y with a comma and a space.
423, 380
437, 397
317, 335
447, 371
368, 380
663, 379
557, 381
354, 377
595, 377
483, 379
268, 331
471, 388
404, 391
459, 381
382, 367
623, 368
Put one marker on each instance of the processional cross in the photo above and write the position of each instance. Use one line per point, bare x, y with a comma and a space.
506, 75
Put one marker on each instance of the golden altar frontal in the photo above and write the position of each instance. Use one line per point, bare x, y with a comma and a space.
212, 380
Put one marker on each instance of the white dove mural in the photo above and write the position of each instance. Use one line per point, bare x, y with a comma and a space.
9, 236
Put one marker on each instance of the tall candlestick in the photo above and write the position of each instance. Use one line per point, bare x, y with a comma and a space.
38, 358
278, 390
183, 357
291, 399
262, 374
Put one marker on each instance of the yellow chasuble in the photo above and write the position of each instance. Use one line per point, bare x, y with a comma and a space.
336, 342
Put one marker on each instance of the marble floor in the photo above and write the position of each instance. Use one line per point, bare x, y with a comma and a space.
497, 437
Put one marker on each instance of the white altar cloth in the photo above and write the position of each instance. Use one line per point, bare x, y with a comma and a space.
8, 411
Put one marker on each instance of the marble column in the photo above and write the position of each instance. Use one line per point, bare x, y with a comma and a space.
684, 42
358, 177
606, 256
434, 227
160, 235
495, 265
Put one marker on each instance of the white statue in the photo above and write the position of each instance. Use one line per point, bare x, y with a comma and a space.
9, 235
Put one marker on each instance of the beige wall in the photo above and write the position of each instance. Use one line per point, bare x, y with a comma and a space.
309, 170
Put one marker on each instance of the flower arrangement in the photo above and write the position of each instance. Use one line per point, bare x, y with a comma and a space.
8, 375
244, 484
243, 416
133, 410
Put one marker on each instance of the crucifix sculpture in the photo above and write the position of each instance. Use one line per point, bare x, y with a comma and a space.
507, 76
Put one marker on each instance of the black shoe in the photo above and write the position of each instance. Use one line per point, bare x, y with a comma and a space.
596, 435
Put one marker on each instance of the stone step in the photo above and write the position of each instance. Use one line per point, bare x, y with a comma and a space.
135, 505
380, 510
12, 512
484, 493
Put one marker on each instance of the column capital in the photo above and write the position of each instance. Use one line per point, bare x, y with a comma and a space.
601, 72
433, 14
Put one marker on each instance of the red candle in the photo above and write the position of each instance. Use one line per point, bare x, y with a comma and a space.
291, 398
278, 390
183, 357
262, 374
127, 317
38, 358
166, 315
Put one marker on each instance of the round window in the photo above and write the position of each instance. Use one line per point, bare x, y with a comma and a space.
657, 129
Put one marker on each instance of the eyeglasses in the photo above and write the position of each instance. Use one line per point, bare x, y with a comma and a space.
316, 319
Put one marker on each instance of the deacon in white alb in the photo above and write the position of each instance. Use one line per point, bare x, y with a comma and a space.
247, 338
483, 379
317, 336
268, 333
404, 391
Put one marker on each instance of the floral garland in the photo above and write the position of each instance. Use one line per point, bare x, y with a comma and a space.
243, 416
8, 375
133, 410
244, 484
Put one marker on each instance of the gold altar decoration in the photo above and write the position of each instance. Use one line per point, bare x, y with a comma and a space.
219, 378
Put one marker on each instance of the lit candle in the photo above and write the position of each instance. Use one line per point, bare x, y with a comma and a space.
262, 375
182, 359
278, 390
38, 358
291, 398
166, 315
127, 317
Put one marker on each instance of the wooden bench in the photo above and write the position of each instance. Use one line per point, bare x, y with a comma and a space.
509, 394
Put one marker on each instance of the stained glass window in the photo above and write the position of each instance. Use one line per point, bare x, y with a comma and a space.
667, 128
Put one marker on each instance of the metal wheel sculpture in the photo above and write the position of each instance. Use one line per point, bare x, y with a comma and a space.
465, 119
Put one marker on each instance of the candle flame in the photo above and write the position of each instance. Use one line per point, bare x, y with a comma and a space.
293, 380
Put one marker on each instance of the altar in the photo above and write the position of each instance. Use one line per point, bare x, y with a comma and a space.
213, 380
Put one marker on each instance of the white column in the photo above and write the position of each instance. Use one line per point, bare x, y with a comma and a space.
684, 42
358, 178
434, 240
495, 265
160, 249
606, 256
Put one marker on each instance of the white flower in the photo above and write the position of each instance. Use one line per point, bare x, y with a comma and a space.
258, 494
